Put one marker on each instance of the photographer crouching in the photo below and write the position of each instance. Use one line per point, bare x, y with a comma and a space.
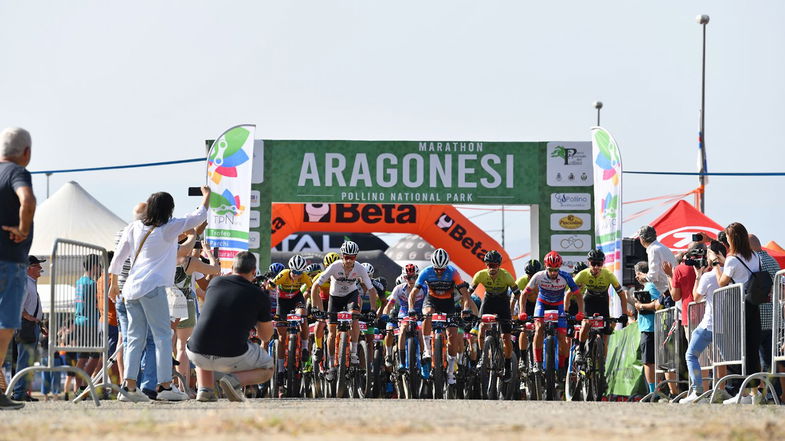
233, 306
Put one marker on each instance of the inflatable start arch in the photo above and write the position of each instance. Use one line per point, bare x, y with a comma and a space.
442, 226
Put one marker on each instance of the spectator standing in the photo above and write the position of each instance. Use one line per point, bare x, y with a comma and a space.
657, 255
646, 322
86, 316
110, 319
739, 266
27, 337
233, 306
684, 280
771, 266
152, 245
147, 378
17, 208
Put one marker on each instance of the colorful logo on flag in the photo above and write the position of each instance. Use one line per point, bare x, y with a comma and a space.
607, 159
226, 203
227, 154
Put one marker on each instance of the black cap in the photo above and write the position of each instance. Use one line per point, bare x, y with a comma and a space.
33, 260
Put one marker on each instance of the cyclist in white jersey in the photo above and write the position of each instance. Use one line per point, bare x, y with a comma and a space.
344, 294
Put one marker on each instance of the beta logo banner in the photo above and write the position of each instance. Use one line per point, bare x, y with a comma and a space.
460, 234
367, 213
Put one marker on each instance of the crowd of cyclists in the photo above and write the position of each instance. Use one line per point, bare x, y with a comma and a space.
341, 333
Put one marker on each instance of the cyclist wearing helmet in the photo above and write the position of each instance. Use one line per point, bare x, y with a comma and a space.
365, 298
290, 298
551, 285
595, 282
441, 279
400, 298
344, 294
272, 271
526, 303
497, 282
324, 294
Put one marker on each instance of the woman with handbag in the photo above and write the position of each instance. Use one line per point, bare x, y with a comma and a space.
151, 243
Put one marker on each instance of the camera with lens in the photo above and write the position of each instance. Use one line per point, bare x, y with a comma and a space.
697, 258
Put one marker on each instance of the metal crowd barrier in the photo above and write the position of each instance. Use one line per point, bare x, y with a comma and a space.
74, 325
696, 311
728, 334
668, 334
777, 338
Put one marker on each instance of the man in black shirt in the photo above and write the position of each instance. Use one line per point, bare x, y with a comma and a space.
233, 306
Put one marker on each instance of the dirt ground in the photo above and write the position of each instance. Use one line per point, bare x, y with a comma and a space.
387, 419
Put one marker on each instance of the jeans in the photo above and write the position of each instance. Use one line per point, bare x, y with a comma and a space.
147, 377
151, 310
50, 381
25, 358
13, 280
701, 338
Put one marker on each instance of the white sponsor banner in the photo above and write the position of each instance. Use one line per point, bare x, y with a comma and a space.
570, 221
255, 219
570, 201
569, 164
570, 260
570, 242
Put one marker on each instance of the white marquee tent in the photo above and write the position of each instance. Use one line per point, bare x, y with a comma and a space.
72, 213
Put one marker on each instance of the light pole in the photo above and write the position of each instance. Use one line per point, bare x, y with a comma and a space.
598, 106
703, 20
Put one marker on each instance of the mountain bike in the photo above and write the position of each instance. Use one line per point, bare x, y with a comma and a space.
547, 379
413, 380
527, 377
492, 363
351, 379
293, 357
587, 380
439, 324
467, 378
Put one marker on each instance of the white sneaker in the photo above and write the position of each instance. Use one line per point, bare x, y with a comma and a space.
758, 399
354, 359
450, 378
135, 396
720, 397
744, 400
691, 398
173, 394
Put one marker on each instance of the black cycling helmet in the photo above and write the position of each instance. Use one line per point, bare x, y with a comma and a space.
596, 255
580, 266
534, 266
493, 256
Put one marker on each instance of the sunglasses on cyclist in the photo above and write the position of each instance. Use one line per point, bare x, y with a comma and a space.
492, 265
596, 263
411, 277
349, 256
440, 270
296, 273
553, 270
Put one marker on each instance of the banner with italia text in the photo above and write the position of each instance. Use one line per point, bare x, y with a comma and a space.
229, 168
607, 198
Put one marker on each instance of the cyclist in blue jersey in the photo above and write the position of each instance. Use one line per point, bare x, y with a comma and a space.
551, 285
400, 297
441, 280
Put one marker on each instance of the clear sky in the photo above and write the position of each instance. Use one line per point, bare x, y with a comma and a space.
101, 83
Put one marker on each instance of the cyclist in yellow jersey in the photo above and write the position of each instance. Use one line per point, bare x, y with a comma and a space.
324, 294
497, 282
594, 283
526, 303
290, 298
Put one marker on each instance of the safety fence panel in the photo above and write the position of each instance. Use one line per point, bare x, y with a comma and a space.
78, 278
696, 311
667, 339
778, 321
728, 329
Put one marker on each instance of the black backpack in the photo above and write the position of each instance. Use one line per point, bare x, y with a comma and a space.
759, 285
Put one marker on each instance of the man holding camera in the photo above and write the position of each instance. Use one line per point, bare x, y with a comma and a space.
685, 277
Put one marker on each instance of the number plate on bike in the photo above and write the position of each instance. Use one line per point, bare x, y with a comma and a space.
363, 326
489, 318
597, 323
293, 317
378, 337
551, 316
439, 318
344, 316
529, 326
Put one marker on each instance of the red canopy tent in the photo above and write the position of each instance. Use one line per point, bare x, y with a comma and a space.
676, 226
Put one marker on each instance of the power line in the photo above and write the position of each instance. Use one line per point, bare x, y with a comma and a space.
116, 167
704, 174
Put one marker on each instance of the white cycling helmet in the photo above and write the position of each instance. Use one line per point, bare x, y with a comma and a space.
440, 259
400, 280
369, 268
297, 263
350, 247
